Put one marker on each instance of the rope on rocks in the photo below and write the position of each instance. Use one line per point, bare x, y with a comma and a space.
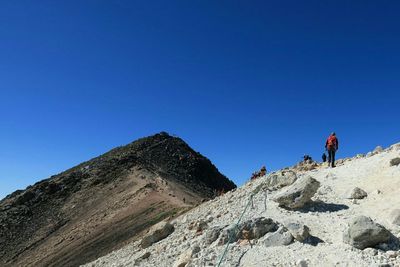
250, 202
265, 200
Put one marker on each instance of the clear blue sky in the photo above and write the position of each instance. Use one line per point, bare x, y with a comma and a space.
246, 83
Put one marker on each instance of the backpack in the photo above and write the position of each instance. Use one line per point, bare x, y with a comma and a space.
332, 141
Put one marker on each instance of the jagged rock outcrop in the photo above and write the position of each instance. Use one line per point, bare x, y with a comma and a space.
280, 179
305, 165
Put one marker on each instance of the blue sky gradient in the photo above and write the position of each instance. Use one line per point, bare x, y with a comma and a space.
244, 83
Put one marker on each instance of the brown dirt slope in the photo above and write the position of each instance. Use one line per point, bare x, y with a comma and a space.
100, 205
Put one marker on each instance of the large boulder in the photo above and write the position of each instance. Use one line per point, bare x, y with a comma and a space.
280, 179
298, 194
363, 233
157, 232
357, 193
279, 238
258, 227
395, 162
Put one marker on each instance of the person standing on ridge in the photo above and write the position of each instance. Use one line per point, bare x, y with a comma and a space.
332, 145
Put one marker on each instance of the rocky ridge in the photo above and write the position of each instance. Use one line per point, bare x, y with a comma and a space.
324, 230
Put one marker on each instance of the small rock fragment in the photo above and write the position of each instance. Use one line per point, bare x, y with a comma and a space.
357, 193
301, 263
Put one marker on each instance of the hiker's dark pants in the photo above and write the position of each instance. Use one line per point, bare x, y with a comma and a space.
331, 157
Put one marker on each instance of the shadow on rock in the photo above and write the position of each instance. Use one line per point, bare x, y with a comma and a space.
313, 241
392, 244
319, 206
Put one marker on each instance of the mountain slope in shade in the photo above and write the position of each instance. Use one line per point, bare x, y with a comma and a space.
100, 205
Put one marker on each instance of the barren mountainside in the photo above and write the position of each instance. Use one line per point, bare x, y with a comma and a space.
100, 205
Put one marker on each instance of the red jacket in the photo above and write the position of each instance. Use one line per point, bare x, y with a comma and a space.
332, 142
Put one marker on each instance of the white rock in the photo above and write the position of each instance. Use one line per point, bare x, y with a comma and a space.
391, 253
371, 251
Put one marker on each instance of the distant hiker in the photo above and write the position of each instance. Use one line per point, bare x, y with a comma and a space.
261, 173
323, 157
332, 145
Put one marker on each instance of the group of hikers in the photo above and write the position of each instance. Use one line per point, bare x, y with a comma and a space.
259, 174
331, 146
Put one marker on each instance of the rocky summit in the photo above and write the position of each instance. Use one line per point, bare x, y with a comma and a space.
298, 216
105, 203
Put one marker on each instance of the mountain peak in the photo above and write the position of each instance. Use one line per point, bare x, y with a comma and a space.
125, 191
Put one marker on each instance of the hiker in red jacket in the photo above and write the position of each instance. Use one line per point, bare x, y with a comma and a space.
332, 145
